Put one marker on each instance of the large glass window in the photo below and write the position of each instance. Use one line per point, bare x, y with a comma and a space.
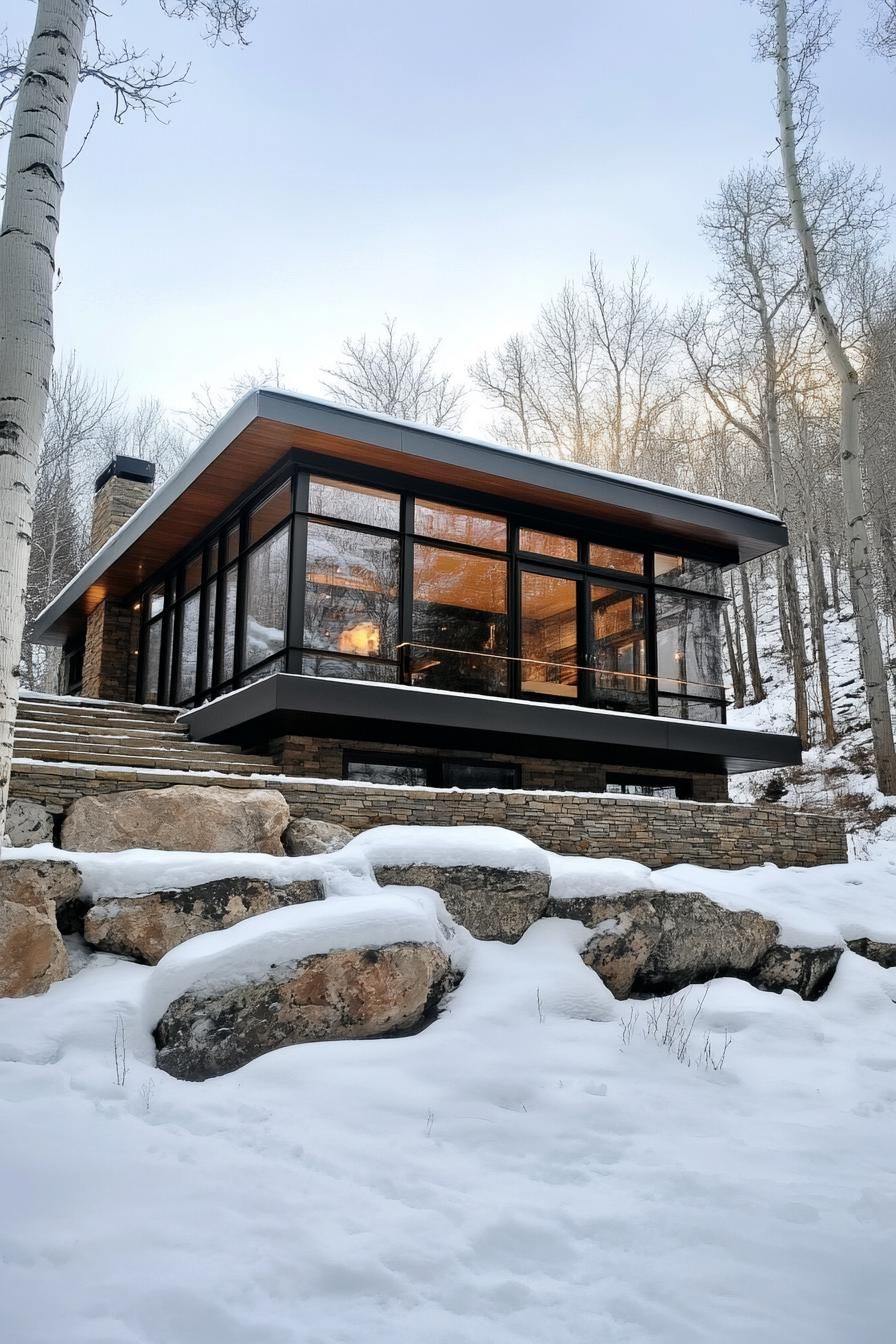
613, 557
688, 645
351, 592
678, 571
459, 621
549, 638
229, 627
463, 526
546, 543
267, 587
354, 503
619, 649
185, 679
271, 511
360, 550
152, 653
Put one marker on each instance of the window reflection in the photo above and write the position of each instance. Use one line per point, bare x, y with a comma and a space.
185, 687
612, 557
459, 621
464, 526
354, 503
619, 649
688, 644
681, 572
267, 581
549, 635
152, 650
351, 592
545, 543
270, 512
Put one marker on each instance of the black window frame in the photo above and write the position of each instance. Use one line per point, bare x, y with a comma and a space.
298, 467
433, 765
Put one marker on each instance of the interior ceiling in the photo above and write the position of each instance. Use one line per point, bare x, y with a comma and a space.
262, 445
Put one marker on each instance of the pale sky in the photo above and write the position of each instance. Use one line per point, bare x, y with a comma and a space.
450, 164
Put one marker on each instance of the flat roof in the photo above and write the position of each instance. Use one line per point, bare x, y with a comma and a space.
267, 423
381, 712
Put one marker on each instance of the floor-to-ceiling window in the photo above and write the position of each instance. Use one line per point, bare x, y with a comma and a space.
338, 578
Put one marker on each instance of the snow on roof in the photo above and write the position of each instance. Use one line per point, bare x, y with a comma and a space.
457, 437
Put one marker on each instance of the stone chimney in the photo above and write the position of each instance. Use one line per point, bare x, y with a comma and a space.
120, 489
110, 645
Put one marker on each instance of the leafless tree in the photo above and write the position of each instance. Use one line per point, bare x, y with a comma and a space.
392, 373
211, 404
795, 36
881, 36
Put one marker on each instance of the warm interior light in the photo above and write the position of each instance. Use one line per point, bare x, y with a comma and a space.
363, 638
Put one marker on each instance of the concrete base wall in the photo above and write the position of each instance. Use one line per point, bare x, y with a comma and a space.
652, 831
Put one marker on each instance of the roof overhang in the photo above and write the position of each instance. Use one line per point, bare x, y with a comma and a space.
265, 425
375, 711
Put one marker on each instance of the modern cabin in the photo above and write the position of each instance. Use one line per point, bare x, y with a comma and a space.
376, 601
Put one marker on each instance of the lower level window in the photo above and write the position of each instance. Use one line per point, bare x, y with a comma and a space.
648, 786
429, 771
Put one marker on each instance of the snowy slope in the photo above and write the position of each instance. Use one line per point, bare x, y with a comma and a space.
534, 1167
839, 777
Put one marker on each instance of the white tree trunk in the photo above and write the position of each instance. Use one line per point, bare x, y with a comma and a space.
851, 466
28, 233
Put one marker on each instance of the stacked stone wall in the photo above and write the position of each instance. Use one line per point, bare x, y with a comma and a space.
653, 831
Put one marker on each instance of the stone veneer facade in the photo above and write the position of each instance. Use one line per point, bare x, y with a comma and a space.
322, 758
653, 831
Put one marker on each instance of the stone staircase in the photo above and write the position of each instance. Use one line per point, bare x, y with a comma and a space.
62, 742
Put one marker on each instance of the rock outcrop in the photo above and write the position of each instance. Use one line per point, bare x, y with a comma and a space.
183, 817
806, 970
145, 927
657, 942
32, 953
334, 996
28, 824
307, 835
883, 953
492, 903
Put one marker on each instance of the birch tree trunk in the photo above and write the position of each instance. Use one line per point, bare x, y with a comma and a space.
756, 682
28, 234
851, 466
816, 611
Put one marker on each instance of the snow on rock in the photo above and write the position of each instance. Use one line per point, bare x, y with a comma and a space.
249, 950
136, 872
574, 876
447, 846
814, 907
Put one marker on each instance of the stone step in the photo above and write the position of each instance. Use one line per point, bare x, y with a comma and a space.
67, 778
125, 760
75, 703
74, 749
50, 714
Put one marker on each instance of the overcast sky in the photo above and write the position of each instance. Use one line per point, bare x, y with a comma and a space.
448, 163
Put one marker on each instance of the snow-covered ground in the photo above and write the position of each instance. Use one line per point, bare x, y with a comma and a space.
839, 777
534, 1167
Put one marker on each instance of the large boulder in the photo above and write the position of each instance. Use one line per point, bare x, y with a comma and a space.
875, 950
183, 817
491, 902
624, 938
28, 824
343, 995
806, 970
657, 942
32, 953
307, 835
145, 927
